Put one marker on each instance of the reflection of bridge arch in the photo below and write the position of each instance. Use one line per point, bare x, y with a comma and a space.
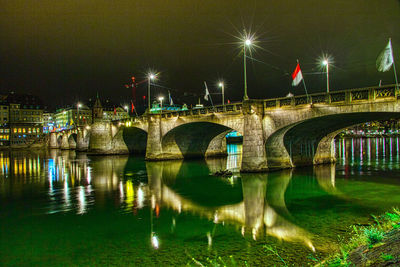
254, 213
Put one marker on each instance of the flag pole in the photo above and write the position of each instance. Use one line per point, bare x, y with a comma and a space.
394, 67
304, 83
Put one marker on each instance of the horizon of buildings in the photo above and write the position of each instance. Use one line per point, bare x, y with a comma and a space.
24, 118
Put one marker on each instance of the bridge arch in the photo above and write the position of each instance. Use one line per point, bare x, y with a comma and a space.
135, 139
310, 141
195, 140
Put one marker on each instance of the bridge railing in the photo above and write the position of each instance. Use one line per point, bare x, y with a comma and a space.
336, 97
235, 107
348, 96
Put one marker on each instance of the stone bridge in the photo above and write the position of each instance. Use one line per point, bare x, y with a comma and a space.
277, 133
75, 138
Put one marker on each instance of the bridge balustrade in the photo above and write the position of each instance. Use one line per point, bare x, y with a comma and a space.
336, 97
203, 111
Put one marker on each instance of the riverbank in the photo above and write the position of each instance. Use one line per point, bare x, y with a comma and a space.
373, 245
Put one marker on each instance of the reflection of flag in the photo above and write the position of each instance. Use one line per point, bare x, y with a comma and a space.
207, 93
385, 58
132, 107
115, 111
297, 76
229, 101
170, 99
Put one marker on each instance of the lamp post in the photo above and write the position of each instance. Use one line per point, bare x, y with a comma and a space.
79, 105
326, 63
221, 84
161, 100
247, 42
149, 78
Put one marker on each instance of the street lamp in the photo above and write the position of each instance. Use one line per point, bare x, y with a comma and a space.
161, 100
150, 77
247, 42
325, 62
221, 84
79, 105
127, 110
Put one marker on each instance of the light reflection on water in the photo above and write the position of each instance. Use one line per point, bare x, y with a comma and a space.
251, 206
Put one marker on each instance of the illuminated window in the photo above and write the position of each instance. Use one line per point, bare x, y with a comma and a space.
19, 130
34, 130
29, 130
1, 130
23, 130
38, 130
15, 130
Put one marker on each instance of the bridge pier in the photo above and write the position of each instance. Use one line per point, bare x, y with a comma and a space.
217, 146
100, 138
82, 140
325, 152
102, 141
254, 157
154, 146
64, 141
53, 140
71, 143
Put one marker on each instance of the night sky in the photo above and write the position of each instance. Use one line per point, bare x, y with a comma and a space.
65, 51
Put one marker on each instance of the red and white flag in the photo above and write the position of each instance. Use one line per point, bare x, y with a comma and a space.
297, 76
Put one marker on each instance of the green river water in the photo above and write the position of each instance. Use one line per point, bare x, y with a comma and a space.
62, 208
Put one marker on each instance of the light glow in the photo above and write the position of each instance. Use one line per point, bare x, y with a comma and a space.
154, 241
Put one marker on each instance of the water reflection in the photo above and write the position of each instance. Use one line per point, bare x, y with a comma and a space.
384, 151
254, 204
257, 214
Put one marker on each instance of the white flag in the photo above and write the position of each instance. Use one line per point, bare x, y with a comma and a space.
207, 93
170, 99
385, 58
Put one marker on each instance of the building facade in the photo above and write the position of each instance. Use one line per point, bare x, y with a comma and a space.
48, 122
25, 118
67, 118
114, 113
4, 121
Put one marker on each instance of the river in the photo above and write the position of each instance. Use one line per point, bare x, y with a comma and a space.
62, 208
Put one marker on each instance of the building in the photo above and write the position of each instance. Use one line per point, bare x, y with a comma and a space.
114, 113
48, 122
108, 111
67, 118
25, 118
4, 121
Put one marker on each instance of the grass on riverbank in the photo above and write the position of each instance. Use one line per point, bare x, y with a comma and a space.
370, 245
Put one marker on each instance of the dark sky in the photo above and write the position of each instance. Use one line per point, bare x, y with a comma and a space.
68, 50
